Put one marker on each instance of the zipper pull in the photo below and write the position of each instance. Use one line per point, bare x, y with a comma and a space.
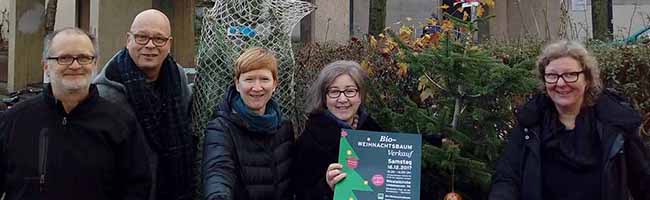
65, 121
41, 182
42, 168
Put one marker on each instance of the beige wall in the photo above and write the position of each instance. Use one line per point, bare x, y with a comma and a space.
26, 36
360, 14
513, 18
111, 22
65, 14
527, 18
331, 20
625, 19
623, 15
397, 12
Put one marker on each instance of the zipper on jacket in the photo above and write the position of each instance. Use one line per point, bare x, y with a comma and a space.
42, 161
64, 121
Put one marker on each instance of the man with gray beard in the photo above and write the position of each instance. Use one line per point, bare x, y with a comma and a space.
68, 142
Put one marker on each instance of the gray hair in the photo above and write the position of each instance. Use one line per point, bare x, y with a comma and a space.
317, 92
577, 51
72, 30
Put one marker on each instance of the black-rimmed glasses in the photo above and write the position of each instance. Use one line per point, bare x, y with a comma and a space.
158, 41
349, 93
568, 77
67, 60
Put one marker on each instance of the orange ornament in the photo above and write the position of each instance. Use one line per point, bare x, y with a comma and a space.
453, 196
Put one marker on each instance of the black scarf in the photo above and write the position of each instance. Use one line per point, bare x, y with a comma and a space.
578, 148
165, 122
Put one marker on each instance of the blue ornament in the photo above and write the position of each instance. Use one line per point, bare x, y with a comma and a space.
247, 31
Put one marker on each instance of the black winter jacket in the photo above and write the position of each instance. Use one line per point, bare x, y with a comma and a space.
97, 151
241, 164
626, 168
316, 148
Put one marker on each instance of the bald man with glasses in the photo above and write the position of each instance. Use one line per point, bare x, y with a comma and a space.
144, 77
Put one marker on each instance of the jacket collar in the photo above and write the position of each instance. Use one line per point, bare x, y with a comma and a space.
614, 110
611, 110
84, 106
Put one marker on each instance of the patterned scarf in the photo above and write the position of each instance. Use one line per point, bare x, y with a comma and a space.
166, 125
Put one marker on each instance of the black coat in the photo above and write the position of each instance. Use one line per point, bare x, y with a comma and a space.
626, 171
97, 151
242, 164
316, 148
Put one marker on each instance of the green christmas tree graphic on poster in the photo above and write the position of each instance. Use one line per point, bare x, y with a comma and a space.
353, 181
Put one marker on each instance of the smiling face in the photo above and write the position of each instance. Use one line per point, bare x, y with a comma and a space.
343, 107
72, 77
152, 24
256, 89
566, 96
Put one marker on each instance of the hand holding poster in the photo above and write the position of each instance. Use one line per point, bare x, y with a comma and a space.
379, 165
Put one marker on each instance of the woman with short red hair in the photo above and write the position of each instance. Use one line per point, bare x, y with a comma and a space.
246, 151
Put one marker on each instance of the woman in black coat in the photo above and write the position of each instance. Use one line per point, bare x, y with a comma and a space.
334, 102
575, 140
247, 147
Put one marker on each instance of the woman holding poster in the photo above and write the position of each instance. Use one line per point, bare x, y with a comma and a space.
574, 140
334, 101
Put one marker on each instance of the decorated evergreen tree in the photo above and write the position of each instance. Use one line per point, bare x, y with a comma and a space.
445, 83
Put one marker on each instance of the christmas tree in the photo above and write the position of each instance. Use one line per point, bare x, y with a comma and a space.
445, 83
353, 181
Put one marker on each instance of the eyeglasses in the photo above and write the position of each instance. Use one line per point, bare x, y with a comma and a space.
568, 77
144, 39
67, 60
347, 92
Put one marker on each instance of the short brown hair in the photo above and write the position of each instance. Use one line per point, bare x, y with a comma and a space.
578, 52
256, 58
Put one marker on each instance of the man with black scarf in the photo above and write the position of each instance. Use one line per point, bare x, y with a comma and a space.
146, 78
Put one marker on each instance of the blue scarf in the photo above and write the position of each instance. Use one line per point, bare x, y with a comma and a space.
259, 123
339, 122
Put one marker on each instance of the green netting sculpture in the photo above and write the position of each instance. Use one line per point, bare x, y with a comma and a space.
232, 26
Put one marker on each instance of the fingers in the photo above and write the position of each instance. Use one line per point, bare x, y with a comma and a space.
338, 178
334, 166
334, 174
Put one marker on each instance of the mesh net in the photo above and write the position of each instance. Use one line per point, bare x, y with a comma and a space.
232, 26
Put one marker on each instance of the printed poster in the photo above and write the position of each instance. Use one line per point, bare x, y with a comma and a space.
379, 165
